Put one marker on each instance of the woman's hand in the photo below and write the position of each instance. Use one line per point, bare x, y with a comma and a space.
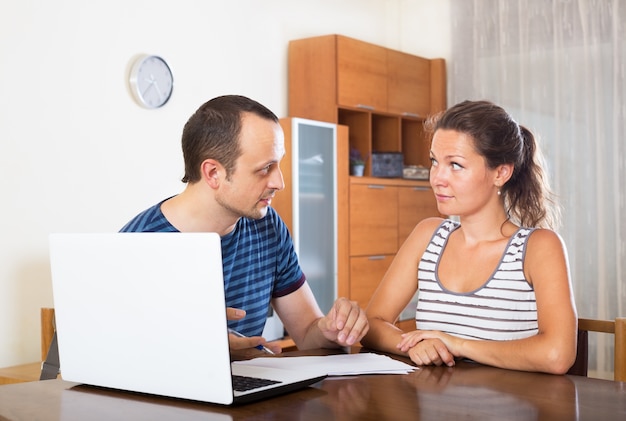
427, 348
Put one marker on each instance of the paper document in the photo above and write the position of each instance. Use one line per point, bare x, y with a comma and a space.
337, 365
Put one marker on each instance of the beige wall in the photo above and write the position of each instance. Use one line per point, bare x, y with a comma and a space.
78, 155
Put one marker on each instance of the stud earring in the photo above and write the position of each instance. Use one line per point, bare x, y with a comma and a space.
499, 192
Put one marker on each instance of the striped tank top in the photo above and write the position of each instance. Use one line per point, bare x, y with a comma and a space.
503, 308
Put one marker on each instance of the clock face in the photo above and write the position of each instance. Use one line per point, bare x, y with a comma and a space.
151, 81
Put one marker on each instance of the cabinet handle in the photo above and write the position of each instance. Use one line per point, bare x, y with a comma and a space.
375, 186
366, 107
421, 188
376, 258
407, 114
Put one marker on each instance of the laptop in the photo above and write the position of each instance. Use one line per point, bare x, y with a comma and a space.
145, 312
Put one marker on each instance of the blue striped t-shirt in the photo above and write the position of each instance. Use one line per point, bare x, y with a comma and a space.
258, 260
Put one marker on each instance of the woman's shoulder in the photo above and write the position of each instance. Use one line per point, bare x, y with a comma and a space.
544, 234
431, 224
546, 258
542, 241
427, 227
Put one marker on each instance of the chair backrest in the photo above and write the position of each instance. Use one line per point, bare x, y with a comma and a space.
618, 328
47, 330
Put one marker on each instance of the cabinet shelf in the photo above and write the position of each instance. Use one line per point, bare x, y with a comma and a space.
385, 132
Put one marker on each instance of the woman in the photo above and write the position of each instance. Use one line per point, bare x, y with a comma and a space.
495, 286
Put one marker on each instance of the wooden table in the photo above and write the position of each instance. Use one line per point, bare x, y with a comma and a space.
467, 391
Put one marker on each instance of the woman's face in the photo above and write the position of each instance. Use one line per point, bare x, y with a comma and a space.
462, 182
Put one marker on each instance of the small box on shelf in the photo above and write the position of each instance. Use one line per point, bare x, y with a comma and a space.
387, 164
416, 172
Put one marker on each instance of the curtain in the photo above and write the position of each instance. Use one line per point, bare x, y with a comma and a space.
559, 67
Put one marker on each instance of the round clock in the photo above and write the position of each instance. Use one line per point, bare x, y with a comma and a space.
151, 81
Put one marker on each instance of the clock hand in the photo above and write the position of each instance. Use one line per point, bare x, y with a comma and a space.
156, 86
150, 83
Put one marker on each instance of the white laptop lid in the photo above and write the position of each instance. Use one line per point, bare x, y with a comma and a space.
146, 312
142, 312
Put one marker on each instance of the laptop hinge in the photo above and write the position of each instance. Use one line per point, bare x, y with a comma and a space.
50, 368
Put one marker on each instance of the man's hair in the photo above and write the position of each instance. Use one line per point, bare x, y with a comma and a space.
212, 132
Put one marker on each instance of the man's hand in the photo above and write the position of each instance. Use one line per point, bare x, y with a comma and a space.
235, 313
247, 344
345, 323
250, 346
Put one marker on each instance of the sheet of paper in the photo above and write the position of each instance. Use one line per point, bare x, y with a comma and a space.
336, 365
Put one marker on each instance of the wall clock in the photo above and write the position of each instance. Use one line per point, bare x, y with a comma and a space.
151, 81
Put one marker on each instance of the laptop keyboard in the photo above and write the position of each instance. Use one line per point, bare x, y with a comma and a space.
244, 383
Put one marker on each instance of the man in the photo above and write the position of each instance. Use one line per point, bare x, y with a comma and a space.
232, 147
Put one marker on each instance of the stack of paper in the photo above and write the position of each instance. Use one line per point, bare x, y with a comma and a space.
337, 365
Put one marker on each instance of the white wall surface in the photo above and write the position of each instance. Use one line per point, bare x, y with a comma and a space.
78, 155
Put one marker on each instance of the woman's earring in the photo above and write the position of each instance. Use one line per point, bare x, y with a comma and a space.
499, 192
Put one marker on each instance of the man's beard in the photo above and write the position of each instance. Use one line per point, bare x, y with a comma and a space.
254, 213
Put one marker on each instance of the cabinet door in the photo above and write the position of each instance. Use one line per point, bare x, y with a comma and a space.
315, 197
361, 74
414, 204
365, 275
373, 219
314, 148
312, 78
408, 84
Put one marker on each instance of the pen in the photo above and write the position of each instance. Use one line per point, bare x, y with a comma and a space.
259, 347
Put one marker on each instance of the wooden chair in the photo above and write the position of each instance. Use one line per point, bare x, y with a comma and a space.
47, 330
49, 350
618, 328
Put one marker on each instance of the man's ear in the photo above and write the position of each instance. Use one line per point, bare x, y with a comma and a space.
503, 174
211, 172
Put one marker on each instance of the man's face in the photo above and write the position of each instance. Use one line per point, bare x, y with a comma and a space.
249, 190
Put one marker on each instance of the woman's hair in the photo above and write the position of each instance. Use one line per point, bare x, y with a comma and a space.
500, 140
213, 132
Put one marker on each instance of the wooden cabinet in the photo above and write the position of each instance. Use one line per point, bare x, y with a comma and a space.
365, 275
382, 97
408, 84
383, 212
373, 219
361, 74
414, 204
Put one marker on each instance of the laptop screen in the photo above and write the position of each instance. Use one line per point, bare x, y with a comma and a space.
142, 312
